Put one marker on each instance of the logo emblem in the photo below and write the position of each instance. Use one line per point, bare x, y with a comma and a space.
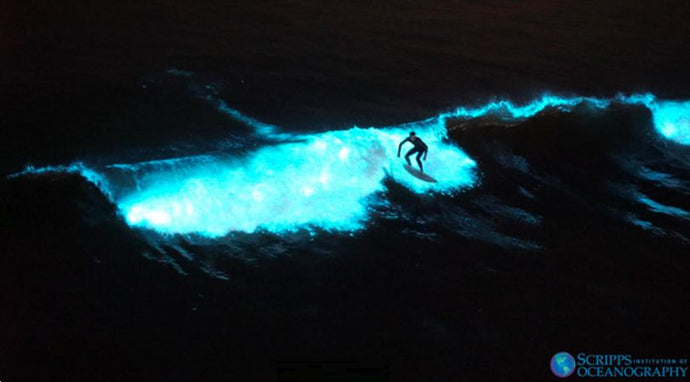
562, 364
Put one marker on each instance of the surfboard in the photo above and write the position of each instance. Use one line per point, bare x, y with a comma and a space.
419, 175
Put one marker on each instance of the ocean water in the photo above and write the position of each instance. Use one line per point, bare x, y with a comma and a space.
211, 191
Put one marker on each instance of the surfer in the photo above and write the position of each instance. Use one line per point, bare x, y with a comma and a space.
419, 148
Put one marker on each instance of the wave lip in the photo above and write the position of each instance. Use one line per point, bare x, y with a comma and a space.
671, 118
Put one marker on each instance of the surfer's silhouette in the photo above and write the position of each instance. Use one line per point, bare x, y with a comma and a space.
419, 148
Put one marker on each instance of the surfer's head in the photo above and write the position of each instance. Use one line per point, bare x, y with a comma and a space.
412, 134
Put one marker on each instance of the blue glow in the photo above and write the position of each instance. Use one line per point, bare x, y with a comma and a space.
327, 180
511, 111
661, 208
87, 173
672, 120
259, 127
323, 180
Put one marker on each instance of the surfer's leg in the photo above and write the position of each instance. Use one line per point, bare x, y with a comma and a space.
419, 161
407, 156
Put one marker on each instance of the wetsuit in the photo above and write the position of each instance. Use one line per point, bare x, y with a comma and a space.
419, 148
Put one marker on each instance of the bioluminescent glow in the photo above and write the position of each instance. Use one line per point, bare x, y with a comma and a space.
510, 111
325, 180
662, 208
672, 120
87, 173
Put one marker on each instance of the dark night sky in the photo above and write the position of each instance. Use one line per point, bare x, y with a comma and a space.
453, 46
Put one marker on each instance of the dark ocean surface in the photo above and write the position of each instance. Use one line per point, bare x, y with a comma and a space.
572, 233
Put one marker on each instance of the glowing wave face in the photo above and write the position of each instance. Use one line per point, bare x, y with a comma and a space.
324, 180
672, 120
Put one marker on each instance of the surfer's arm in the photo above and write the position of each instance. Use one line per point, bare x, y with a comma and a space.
426, 150
401, 144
